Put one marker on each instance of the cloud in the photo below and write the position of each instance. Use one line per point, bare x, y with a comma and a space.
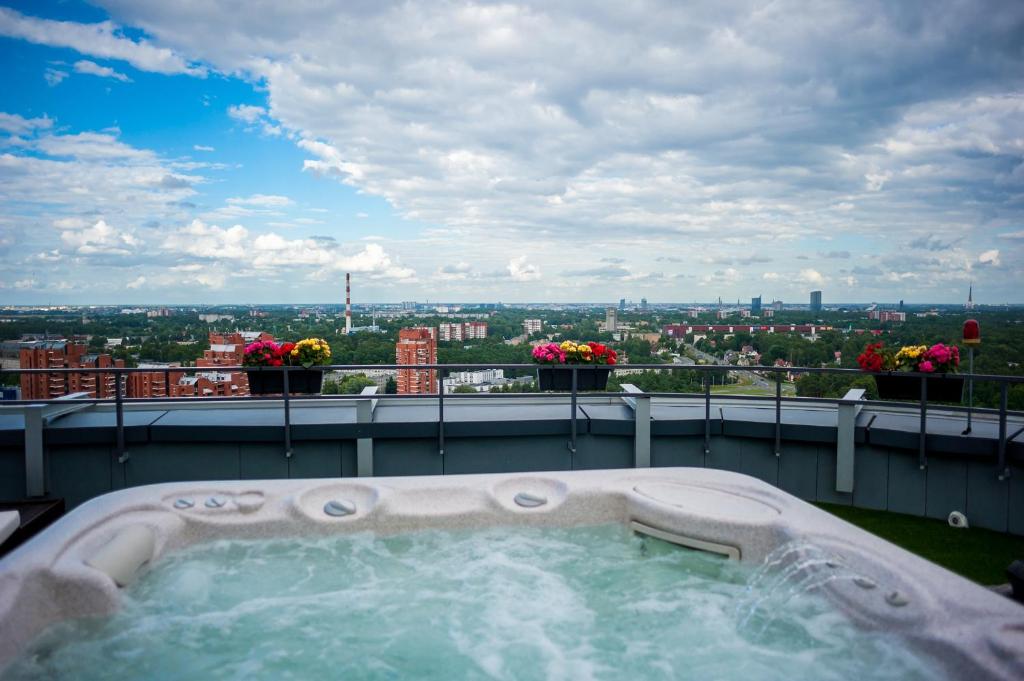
98, 239
246, 113
93, 69
16, 125
1019, 234
54, 77
98, 40
202, 147
520, 270
811, 276
838, 255
989, 257
262, 201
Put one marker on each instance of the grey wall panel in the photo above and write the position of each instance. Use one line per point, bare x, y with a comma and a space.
262, 461
1015, 516
173, 461
606, 451
826, 483
505, 455
725, 454
988, 497
947, 487
407, 456
798, 470
79, 473
12, 473
315, 459
871, 477
677, 451
906, 483
757, 458
348, 459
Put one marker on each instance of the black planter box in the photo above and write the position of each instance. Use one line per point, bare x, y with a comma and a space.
941, 388
560, 378
272, 382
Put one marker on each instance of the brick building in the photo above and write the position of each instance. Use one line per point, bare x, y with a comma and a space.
64, 355
462, 331
416, 346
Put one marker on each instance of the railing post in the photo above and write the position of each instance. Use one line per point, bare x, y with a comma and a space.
922, 453
122, 455
641, 406
287, 416
364, 445
35, 469
572, 420
778, 417
440, 416
847, 410
1004, 469
707, 417
167, 383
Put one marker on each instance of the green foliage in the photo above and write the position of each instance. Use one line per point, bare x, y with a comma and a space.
349, 385
464, 390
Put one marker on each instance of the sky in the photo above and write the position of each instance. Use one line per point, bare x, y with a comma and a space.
230, 151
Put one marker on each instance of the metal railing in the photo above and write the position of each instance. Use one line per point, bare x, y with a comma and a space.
120, 399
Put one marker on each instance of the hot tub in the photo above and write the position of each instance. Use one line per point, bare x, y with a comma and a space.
591, 574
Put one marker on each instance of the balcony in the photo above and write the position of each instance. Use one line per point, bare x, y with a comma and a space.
875, 455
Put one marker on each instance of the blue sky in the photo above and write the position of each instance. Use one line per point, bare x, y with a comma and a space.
196, 152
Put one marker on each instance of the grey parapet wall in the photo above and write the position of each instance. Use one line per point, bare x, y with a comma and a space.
225, 441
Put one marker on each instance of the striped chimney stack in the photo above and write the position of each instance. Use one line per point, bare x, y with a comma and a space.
348, 303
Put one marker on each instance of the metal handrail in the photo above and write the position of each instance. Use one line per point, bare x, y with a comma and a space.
120, 399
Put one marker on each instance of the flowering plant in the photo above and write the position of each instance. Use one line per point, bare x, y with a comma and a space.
549, 353
939, 358
310, 351
263, 353
571, 352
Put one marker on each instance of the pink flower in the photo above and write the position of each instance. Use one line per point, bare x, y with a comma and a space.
926, 367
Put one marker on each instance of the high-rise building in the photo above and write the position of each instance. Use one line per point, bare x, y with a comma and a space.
815, 301
887, 316
64, 355
462, 331
901, 306
416, 346
643, 305
226, 349
611, 319
160, 382
970, 298
622, 304
755, 306
532, 326
777, 305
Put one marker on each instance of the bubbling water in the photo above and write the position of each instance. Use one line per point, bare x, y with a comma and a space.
523, 603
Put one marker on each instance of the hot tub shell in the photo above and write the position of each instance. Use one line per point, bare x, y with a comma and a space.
77, 567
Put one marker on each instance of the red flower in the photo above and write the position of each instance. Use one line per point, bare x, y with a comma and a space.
287, 347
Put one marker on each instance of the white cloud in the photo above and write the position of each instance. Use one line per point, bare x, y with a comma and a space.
136, 283
16, 125
989, 257
202, 147
93, 69
811, 276
98, 40
101, 238
246, 112
261, 201
54, 77
520, 270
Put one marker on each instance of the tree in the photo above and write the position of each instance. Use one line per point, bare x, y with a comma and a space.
391, 387
464, 389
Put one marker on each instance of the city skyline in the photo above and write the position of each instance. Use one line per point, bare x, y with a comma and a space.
189, 155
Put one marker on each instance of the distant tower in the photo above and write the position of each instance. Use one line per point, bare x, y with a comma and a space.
622, 304
970, 298
348, 303
815, 301
611, 319
643, 305
755, 306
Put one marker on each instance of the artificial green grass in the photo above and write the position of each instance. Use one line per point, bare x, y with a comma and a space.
980, 555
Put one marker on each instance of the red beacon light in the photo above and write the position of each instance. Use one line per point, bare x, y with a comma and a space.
972, 333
